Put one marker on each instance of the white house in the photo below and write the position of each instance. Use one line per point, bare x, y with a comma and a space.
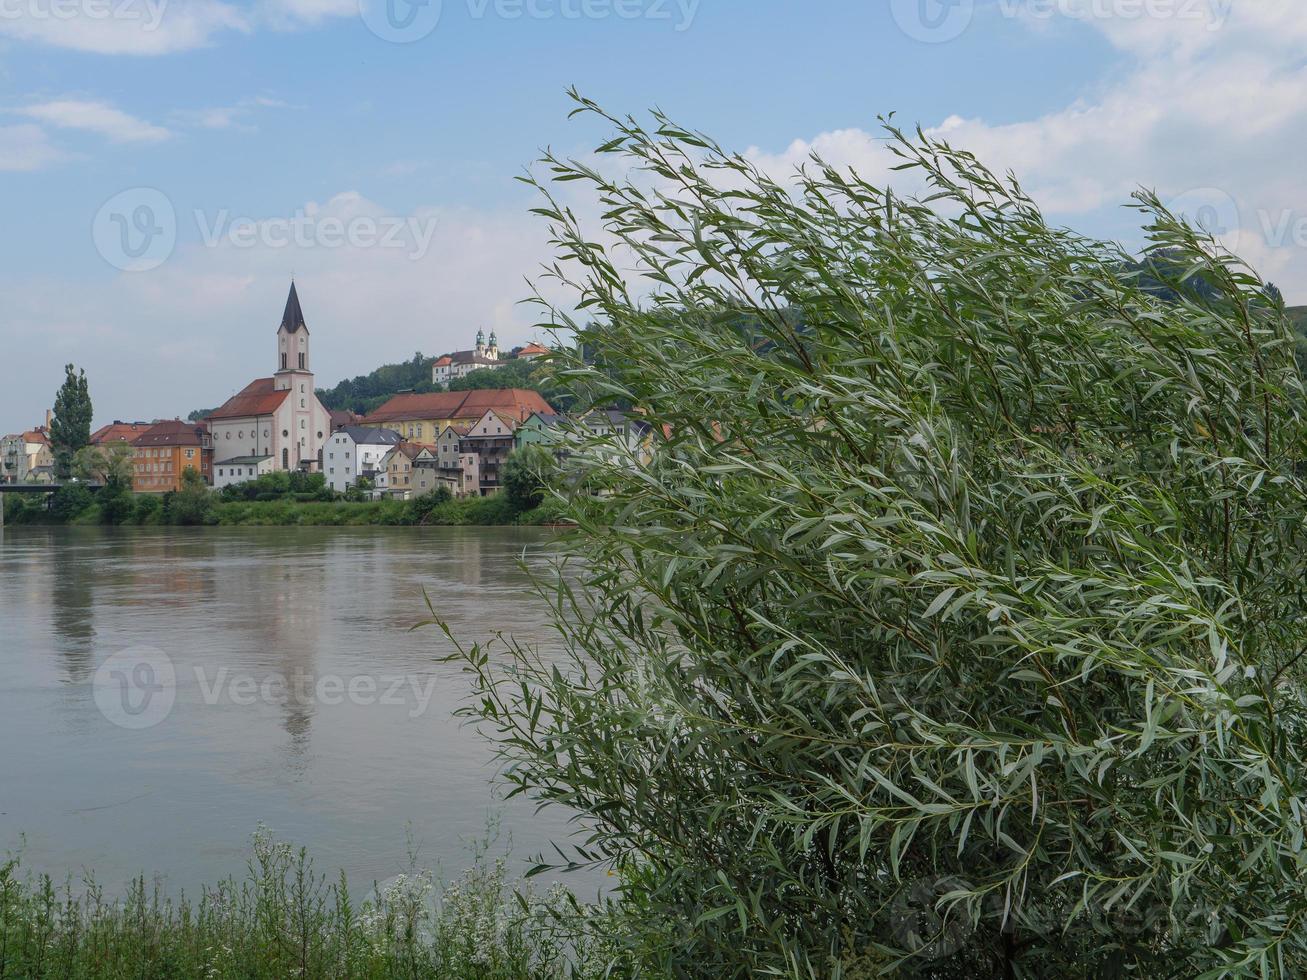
242, 469
279, 417
356, 451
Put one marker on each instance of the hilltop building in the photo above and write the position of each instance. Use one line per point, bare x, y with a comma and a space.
277, 419
461, 363
531, 351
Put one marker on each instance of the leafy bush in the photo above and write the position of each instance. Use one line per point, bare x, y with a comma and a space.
526, 475
280, 485
192, 504
957, 628
69, 501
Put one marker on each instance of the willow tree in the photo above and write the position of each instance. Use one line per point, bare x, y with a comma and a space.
956, 625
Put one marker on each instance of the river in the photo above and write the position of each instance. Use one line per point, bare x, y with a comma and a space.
163, 692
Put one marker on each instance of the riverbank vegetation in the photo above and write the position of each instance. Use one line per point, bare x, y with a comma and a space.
274, 499
284, 918
957, 629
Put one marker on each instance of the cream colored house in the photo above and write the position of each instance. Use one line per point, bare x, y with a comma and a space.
26, 457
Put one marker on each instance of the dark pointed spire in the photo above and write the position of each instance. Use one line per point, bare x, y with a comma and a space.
293, 318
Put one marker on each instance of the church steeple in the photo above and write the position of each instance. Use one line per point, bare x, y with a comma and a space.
293, 319
293, 345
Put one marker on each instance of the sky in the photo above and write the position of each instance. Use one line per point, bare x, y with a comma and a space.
166, 166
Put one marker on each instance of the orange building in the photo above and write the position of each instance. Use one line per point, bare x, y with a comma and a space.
168, 449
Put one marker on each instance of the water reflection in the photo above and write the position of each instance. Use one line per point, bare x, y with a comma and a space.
301, 604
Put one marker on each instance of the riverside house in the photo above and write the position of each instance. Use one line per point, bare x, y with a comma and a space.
26, 457
398, 465
355, 452
165, 451
423, 417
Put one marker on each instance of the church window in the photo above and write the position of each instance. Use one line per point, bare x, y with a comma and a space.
301, 360
283, 362
319, 435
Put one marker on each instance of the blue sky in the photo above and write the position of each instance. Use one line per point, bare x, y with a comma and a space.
287, 107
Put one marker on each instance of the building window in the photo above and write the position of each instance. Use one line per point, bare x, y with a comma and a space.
301, 364
283, 362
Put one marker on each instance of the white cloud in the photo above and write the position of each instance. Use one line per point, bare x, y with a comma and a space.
123, 27
95, 117
228, 117
156, 27
26, 147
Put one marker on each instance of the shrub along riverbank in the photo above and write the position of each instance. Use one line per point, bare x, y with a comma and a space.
317, 506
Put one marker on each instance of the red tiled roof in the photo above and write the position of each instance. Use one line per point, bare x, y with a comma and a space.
532, 348
515, 403
442, 361
118, 432
174, 433
259, 397
36, 435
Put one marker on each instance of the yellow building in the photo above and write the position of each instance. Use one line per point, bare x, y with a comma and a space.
423, 417
167, 450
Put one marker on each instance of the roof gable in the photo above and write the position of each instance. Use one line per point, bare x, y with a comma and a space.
259, 397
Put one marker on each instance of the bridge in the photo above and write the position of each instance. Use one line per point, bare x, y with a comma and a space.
46, 488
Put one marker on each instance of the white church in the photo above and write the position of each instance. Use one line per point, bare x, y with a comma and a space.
274, 423
461, 363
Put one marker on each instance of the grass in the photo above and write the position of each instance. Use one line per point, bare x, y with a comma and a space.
283, 919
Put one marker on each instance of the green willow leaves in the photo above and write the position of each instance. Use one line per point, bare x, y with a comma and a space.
956, 625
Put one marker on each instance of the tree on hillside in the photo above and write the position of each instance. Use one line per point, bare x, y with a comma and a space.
367, 391
959, 634
71, 428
